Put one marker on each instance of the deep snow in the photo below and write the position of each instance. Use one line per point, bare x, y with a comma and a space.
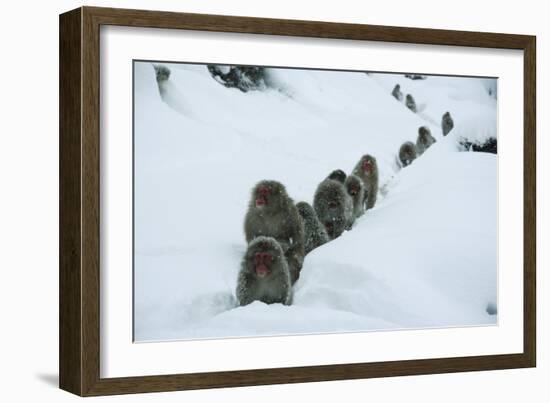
425, 256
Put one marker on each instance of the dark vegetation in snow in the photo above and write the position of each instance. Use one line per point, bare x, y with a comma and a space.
489, 146
415, 76
241, 77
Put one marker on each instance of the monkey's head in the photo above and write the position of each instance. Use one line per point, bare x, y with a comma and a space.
337, 175
368, 164
305, 210
354, 186
269, 195
424, 132
397, 86
447, 115
263, 257
162, 73
409, 97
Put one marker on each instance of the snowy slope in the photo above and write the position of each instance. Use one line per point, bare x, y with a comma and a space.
424, 256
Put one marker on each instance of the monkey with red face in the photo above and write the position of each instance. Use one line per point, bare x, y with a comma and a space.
367, 170
356, 189
264, 274
271, 212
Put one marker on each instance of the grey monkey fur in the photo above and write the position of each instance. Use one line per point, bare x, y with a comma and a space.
162, 73
314, 231
396, 93
424, 140
278, 218
410, 103
333, 207
447, 123
356, 190
369, 176
407, 153
271, 288
337, 175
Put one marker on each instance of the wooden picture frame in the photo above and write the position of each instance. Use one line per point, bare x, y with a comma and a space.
80, 199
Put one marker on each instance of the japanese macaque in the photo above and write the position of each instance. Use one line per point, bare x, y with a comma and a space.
315, 233
356, 189
333, 206
396, 93
271, 212
162, 73
264, 274
410, 103
424, 140
407, 153
338, 175
447, 123
367, 170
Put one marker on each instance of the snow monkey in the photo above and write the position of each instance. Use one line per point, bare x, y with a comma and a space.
264, 274
407, 153
396, 93
162, 72
410, 103
314, 232
356, 189
447, 123
333, 207
338, 175
424, 140
367, 170
272, 212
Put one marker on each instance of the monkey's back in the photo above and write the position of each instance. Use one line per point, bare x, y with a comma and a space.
407, 153
424, 142
327, 192
315, 233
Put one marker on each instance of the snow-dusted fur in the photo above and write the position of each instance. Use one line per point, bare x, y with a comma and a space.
333, 207
447, 123
279, 219
410, 103
276, 286
424, 139
407, 153
396, 93
315, 233
356, 190
369, 178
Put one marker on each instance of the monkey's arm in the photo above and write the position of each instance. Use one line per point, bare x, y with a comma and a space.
244, 291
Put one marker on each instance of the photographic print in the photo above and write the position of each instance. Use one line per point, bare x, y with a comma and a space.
284, 201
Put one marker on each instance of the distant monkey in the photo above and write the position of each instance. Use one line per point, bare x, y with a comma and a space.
407, 153
410, 103
447, 123
367, 170
356, 190
396, 93
333, 207
271, 212
338, 175
264, 274
314, 232
162, 73
424, 140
